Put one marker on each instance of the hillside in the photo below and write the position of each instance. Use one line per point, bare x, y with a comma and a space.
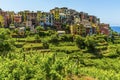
59, 57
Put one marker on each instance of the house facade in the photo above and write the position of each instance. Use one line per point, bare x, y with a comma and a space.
104, 29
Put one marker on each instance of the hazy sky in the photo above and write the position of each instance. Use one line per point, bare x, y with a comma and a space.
107, 10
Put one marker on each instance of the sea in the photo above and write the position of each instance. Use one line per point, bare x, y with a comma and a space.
116, 28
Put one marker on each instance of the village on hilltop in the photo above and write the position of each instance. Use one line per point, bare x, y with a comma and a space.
62, 19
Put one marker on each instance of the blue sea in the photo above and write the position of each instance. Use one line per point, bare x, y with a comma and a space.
116, 28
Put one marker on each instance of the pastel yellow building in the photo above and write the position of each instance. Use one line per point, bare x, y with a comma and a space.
56, 13
78, 29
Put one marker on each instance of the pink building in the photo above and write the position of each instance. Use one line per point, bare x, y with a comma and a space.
104, 29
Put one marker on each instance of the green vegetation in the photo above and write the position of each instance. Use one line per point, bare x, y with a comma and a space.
6, 42
58, 57
80, 42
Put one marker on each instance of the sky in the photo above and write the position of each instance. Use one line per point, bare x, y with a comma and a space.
107, 10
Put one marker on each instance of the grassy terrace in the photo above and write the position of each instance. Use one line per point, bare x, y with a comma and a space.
53, 57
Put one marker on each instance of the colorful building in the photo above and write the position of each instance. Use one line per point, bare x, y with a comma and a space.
104, 29
78, 29
17, 18
81, 23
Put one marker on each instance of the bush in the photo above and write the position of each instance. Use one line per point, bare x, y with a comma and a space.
80, 42
54, 39
118, 51
45, 45
6, 43
39, 28
50, 32
37, 37
90, 43
66, 37
28, 28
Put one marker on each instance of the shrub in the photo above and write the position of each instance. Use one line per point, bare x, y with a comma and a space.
6, 43
80, 42
37, 37
118, 51
54, 39
39, 28
90, 43
45, 45
50, 32
66, 37
28, 28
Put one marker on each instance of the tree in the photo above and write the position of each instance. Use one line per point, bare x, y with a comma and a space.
1, 21
66, 28
39, 28
4, 33
6, 43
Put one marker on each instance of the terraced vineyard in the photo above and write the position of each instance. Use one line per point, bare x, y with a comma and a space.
60, 58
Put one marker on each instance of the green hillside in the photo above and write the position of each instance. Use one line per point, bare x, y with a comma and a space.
58, 57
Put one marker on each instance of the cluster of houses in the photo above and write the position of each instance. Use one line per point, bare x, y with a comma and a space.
79, 22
